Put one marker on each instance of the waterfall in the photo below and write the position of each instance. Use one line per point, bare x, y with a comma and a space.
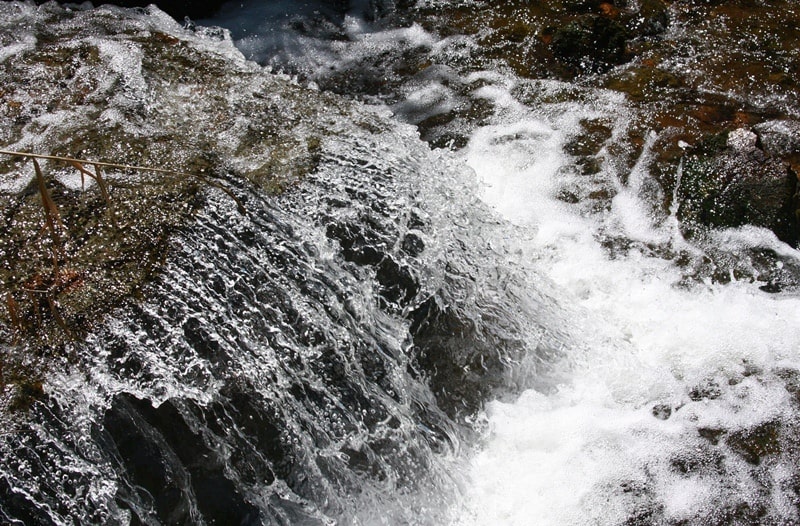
469, 298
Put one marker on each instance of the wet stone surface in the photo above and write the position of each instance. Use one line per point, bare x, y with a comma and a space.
119, 86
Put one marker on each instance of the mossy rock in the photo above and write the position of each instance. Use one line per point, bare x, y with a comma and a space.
593, 135
756, 443
592, 43
128, 87
651, 19
645, 83
723, 186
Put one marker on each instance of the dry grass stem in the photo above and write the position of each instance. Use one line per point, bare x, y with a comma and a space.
13, 313
43, 300
52, 217
78, 163
57, 315
97, 176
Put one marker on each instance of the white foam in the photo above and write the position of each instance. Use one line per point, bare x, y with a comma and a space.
28, 43
567, 458
517, 164
429, 100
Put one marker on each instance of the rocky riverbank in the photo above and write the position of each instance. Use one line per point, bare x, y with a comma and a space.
693, 72
710, 90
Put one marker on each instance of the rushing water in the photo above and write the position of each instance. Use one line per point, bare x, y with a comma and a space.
417, 336
657, 368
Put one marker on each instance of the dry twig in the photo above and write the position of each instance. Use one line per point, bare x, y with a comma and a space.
52, 217
97, 164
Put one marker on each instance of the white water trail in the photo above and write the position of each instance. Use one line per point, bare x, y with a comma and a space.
593, 452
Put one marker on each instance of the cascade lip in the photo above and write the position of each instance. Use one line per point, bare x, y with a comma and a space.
117, 105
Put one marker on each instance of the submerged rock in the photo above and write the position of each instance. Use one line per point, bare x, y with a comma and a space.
757, 442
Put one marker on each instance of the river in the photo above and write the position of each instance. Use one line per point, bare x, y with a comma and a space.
448, 321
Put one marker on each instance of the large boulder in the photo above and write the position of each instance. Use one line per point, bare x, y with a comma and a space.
130, 87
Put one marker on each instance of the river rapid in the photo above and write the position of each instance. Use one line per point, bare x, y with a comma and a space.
450, 320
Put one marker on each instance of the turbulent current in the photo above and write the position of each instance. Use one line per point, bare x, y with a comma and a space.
429, 335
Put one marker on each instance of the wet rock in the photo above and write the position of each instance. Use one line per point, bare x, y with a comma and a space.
662, 411
640, 501
703, 460
651, 19
398, 286
791, 379
755, 443
465, 360
779, 138
728, 181
366, 244
359, 243
742, 141
601, 36
711, 434
180, 9
709, 390
413, 245
593, 135
592, 43
449, 348
582, 6
176, 475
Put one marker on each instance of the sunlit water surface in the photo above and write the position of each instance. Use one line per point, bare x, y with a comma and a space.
653, 360
608, 414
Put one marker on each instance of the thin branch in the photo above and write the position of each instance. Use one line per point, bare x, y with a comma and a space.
74, 162
71, 160
13, 312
